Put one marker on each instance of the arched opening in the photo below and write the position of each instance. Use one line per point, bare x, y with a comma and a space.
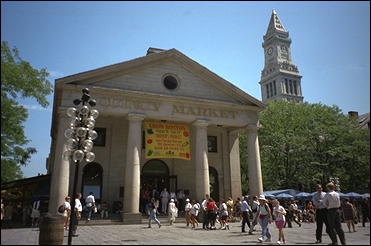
92, 180
214, 184
155, 174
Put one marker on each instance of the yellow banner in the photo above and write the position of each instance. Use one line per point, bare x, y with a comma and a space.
167, 141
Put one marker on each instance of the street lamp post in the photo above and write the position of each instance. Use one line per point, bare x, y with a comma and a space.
79, 144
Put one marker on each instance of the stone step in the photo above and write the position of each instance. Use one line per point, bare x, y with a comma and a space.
116, 221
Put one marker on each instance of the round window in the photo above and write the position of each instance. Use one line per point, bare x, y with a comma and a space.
170, 82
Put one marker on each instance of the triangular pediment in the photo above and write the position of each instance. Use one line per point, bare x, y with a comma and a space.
146, 75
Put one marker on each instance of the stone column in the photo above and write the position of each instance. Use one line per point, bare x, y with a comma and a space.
254, 167
201, 160
60, 175
132, 170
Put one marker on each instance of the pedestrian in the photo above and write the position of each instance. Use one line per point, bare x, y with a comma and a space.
77, 215
245, 209
332, 202
173, 211
254, 209
237, 209
321, 212
205, 221
348, 214
264, 216
310, 211
35, 214
365, 208
230, 204
223, 213
279, 214
194, 212
2, 209
180, 198
104, 210
152, 212
164, 200
294, 212
26, 212
90, 205
211, 213
67, 211
187, 210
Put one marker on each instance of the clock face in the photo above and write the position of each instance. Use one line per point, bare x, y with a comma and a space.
270, 50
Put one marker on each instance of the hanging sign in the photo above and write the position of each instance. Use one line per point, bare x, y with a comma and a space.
167, 141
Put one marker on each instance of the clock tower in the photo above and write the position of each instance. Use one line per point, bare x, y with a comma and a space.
280, 78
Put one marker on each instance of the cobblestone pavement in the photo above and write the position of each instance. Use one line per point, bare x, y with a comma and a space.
180, 234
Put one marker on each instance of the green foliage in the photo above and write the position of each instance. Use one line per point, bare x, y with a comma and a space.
302, 144
18, 79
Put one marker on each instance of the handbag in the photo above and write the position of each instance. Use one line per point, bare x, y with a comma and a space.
95, 210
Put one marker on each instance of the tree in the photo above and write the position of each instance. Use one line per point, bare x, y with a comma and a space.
18, 80
302, 144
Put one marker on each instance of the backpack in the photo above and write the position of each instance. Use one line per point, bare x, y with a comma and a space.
61, 209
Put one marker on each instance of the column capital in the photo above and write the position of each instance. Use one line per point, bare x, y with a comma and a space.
135, 117
200, 123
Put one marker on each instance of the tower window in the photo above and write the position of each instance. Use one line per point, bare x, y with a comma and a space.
266, 86
274, 87
271, 89
295, 88
286, 87
291, 89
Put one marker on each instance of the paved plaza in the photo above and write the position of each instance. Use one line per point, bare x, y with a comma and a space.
180, 234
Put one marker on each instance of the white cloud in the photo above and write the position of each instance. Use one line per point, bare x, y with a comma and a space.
37, 107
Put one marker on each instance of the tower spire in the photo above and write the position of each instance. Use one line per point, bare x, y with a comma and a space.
275, 24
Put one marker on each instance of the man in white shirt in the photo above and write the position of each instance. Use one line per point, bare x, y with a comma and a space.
164, 200
35, 214
254, 209
205, 221
245, 209
90, 204
321, 212
77, 214
332, 203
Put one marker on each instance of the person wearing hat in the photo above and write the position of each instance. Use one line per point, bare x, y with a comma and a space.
264, 216
245, 209
187, 210
332, 203
173, 211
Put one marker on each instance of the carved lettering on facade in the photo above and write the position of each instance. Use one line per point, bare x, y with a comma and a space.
145, 105
205, 112
129, 104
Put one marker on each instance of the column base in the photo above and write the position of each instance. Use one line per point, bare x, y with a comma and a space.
131, 218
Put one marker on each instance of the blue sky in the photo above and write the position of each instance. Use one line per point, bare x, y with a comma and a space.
330, 45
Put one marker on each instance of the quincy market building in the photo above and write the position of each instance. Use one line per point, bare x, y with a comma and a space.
165, 121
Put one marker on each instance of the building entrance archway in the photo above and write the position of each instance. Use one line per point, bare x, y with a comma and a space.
92, 180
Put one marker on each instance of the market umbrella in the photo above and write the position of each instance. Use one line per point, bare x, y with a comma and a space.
342, 194
284, 195
353, 194
269, 195
302, 195
366, 195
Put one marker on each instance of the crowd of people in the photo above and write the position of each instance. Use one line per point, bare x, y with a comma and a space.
323, 208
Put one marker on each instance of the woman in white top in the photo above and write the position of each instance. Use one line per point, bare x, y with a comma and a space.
173, 211
279, 213
223, 215
264, 217
67, 211
194, 212
187, 210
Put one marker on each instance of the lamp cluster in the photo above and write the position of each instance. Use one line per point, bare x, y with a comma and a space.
80, 133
